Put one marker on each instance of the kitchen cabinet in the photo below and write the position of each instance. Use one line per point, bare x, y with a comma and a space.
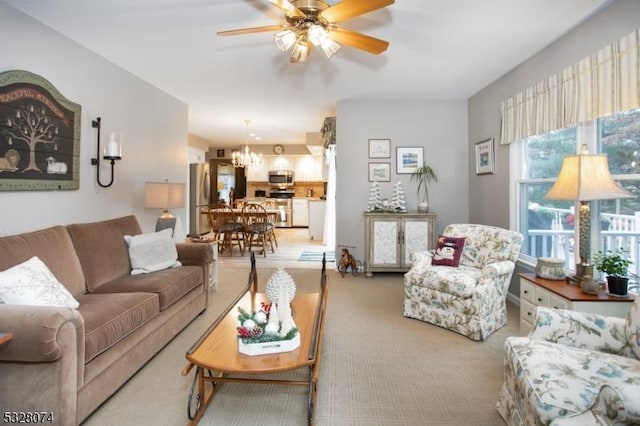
316, 219
300, 212
258, 173
391, 237
536, 291
309, 168
280, 162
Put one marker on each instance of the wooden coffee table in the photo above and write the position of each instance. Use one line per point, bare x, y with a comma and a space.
217, 359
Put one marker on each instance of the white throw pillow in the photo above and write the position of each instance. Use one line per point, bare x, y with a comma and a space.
32, 283
152, 252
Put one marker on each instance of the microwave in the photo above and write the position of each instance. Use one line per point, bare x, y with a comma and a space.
282, 178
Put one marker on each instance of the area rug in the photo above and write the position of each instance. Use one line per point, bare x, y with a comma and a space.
316, 256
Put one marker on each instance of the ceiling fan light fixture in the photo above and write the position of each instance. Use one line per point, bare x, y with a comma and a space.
284, 39
329, 47
317, 34
300, 51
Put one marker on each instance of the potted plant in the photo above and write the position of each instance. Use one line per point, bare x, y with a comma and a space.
423, 175
616, 266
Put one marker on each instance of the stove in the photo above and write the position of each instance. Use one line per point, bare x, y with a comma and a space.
283, 200
281, 193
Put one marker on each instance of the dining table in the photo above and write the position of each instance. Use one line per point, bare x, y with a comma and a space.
272, 216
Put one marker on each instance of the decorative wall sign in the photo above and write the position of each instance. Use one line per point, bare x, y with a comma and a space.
39, 135
484, 157
408, 159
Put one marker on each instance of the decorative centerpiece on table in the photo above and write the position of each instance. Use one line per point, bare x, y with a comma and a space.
271, 329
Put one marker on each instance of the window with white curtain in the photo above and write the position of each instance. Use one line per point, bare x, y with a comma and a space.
549, 225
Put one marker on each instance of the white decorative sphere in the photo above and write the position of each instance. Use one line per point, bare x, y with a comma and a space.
260, 317
249, 323
271, 329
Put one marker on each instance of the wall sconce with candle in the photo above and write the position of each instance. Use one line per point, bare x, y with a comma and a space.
112, 152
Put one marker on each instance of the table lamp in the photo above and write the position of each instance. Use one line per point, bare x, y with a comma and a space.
585, 177
164, 195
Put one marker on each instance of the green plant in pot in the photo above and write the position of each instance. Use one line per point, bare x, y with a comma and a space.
423, 175
616, 266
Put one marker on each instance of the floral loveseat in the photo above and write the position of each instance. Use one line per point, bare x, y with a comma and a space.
471, 298
573, 369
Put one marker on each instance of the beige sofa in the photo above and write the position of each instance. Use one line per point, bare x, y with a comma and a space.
68, 361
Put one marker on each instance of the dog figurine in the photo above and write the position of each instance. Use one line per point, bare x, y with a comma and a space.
347, 260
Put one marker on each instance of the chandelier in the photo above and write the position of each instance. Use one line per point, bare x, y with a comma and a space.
246, 158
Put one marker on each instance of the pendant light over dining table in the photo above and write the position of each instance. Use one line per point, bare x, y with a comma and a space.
246, 158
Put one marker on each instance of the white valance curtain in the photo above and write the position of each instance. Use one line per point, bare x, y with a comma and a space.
601, 84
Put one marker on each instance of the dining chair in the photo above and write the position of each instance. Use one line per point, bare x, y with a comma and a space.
227, 228
257, 228
270, 205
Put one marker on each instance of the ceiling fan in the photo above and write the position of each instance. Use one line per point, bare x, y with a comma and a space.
313, 23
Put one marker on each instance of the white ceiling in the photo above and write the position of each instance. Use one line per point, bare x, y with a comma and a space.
439, 49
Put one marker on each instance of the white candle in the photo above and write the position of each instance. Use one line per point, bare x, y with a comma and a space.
113, 146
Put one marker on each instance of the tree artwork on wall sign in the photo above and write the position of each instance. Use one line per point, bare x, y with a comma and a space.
39, 135
33, 127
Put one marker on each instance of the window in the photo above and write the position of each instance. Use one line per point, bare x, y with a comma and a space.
549, 225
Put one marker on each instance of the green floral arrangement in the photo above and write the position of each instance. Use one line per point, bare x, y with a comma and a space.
256, 328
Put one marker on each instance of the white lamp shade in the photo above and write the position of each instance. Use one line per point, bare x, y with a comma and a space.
164, 195
586, 177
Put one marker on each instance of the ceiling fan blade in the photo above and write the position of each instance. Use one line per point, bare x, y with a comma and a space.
288, 8
253, 30
359, 40
348, 9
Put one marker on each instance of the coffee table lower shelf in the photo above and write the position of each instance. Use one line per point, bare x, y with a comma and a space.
217, 359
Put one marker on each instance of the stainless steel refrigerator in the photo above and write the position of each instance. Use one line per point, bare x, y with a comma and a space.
199, 199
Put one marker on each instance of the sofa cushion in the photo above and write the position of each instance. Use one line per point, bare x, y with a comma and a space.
169, 284
32, 283
632, 327
456, 281
448, 251
108, 318
54, 247
152, 252
555, 380
101, 248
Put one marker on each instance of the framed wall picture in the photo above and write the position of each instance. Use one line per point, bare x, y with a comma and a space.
485, 162
379, 148
220, 153
39, 135
408, 159
380, 172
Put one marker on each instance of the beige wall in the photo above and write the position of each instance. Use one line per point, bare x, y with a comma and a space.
440, 127
153, 126
489, 200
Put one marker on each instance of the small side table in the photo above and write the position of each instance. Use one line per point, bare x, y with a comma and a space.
536, 291
5, 337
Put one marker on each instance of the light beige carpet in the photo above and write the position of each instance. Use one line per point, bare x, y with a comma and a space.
378, 368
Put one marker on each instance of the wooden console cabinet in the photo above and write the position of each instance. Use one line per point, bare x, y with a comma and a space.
536, 291
391, 237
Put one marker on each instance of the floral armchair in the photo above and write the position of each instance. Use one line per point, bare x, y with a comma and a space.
471, 298
573, 369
